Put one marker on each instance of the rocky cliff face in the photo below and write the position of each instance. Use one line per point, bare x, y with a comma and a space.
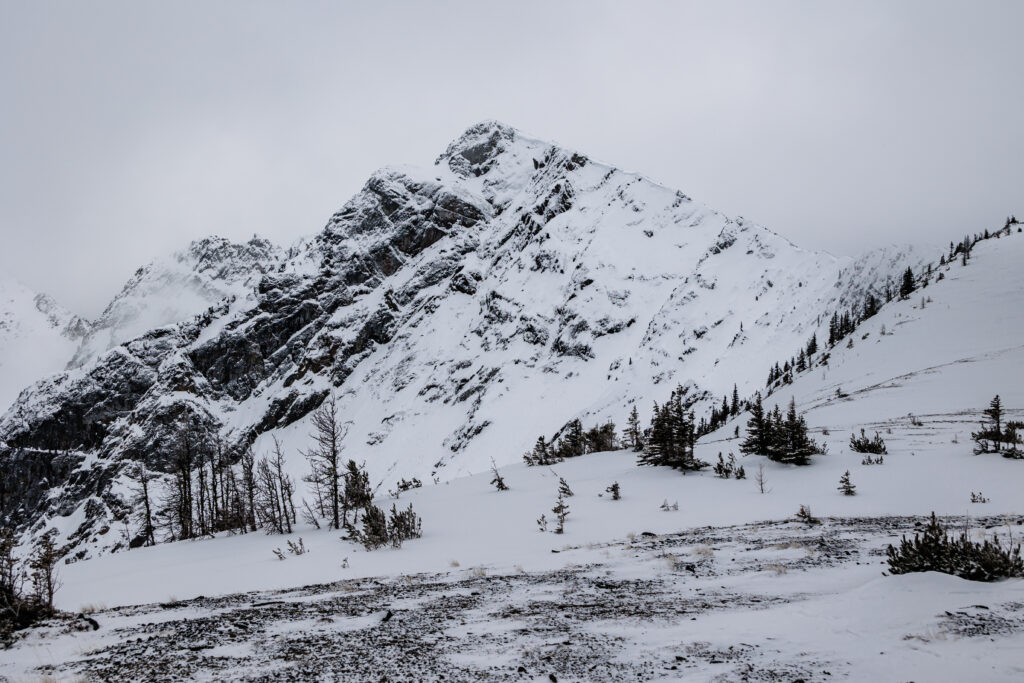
456, 312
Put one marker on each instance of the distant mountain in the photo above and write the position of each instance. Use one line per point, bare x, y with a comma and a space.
456, 312
176, 288
37, 337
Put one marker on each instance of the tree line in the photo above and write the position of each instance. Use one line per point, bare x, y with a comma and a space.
205, 492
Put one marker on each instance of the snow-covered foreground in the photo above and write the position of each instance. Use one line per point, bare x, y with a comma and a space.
629, 591
765, 601
468, 522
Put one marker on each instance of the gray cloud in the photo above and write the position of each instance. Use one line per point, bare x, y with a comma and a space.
127, 129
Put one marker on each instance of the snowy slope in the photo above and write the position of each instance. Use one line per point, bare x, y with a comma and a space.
457, 312
940, 364
37, 338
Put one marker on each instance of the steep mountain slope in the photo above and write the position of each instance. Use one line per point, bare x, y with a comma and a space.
37, 337
456, 312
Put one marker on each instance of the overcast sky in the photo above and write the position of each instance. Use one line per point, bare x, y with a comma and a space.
128, 129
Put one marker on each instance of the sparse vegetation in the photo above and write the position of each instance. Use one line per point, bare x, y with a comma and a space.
561, 510
863, 444
995, 435
20, 608
497, 481
760, 479
780, 439
846, 486
804, 515
378, 530
933, 550
404, 485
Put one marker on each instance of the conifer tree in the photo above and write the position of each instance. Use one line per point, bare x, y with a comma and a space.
541, 454
798, 448
633, 432
561, 511
907, 284
846, 486
812, 345
374, 533
994, 412
573, 443
403, 525
870, 306
991, 433
600, 438
756, 442
357, 490
734, 409
563, 488
497, 480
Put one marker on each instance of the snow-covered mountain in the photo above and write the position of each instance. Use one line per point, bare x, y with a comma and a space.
37, 337
456, 312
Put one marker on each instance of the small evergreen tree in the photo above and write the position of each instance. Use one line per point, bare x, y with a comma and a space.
561, 511
757, 440
846, 486
804, 515
403, 525
497, 481
357, 490
990, 438
573, 442
563, 488
542, 454
600, 438
614, 490
866, 445
907, 284
934, 550
634, 434
374, 533
793, 444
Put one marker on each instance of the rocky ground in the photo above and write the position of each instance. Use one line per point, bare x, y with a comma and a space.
646, 608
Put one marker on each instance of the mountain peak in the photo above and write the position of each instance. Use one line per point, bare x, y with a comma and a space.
473, 152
